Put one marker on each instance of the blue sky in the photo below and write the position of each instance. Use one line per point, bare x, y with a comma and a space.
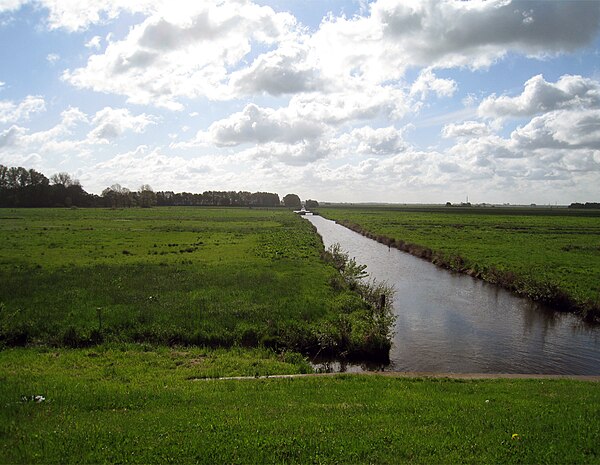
398, 101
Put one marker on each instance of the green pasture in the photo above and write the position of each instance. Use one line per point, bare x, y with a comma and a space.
145, 404
201, 276
536, 251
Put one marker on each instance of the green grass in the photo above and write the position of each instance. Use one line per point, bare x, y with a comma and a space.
139, 404
202, 276
547, 254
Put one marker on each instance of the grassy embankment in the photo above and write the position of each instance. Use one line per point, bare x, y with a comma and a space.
551, 255
133, 404
190, 276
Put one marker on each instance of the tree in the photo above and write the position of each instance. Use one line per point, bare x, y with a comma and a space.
63, 179
311, 204
146, 196
292, 201
117, 196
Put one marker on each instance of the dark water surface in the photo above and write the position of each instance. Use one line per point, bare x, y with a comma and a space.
450, 322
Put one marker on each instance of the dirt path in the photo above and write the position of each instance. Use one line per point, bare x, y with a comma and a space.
403, 374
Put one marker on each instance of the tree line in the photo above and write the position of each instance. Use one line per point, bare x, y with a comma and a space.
591, 205
20, 187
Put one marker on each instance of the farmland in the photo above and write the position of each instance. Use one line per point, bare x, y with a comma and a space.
205, 277
551, 255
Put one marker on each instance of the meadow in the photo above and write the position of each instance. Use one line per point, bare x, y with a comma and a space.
142, 404
129, 317
551, 255
177, 276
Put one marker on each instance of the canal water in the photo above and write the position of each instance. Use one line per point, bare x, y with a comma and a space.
453, 323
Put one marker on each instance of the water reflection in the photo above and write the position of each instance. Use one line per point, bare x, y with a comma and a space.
450, 322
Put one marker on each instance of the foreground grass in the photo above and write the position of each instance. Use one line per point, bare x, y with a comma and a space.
203, 276
548, 254
137, 404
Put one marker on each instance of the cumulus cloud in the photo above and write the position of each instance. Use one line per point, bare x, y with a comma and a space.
110, 123
561, 129
11, 112
183, 53
369, 141
77, 16
260, 125
448, 33
540, 96
475, 33
465, 129
69, 135
286, 70
94, 43
162, 170
18, 142
11, 5
199, 49
357, 102
9, 137
428, 82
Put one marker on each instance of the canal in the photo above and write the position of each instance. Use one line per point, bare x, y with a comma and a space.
452, 323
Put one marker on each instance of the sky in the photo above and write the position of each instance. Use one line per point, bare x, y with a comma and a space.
399, 101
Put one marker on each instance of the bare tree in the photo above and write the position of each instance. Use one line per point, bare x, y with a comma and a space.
64, 179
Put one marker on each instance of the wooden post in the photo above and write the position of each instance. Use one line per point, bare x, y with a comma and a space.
99, 310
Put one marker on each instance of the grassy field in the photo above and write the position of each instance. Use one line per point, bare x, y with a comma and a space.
143, 404
548, 254
201, 276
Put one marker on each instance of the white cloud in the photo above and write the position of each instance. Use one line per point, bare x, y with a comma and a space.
68, 137
53, 58
11, 112
356, 102
369, 141
540, 96
9, 137
94, 43
561, 129
182, 53
79, 15
428, 82
284, 71
11, 5
18, 143
465, 129
148, 165
110, 123
448, 33
260, 125
199, 50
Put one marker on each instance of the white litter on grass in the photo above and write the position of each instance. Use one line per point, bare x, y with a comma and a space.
36, 399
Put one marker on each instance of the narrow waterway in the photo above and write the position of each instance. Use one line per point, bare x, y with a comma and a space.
450, 322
